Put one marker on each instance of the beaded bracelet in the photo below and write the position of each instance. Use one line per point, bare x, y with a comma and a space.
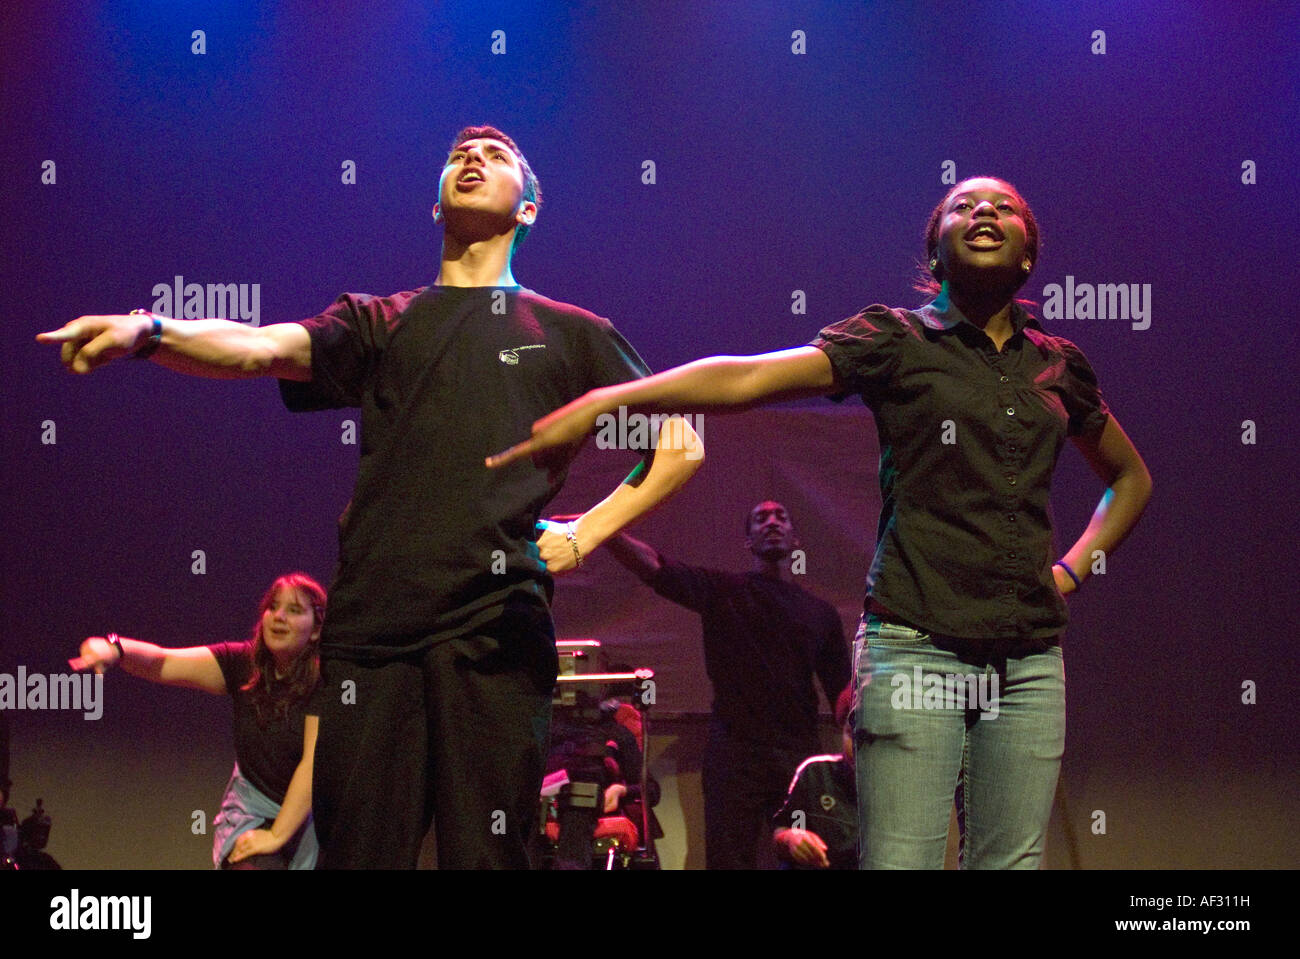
572, 537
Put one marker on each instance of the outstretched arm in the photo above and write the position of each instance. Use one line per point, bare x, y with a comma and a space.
638, 556
293, 811
220, 349
1112, 457
720, 383
194, 667
677, 456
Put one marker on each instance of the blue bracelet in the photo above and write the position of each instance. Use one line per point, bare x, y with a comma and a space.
1069, 572
154, 340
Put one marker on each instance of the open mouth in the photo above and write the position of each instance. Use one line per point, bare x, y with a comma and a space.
984, 236
470, 176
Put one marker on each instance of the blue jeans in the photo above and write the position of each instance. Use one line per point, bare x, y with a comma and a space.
921, 744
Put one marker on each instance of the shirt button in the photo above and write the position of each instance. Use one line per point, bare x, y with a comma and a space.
1004, 379
1011, 448
1011, 411
1011, 555
1011, 517
1011, 480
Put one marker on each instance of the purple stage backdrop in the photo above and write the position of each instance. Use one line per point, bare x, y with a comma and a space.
717, 178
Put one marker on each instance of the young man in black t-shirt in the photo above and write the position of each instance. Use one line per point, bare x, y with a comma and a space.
438, 656
765, 639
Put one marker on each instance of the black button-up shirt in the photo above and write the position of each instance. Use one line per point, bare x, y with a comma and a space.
969, 437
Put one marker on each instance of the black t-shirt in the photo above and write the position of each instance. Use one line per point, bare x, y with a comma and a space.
269, 754
764, 640
824, 792
969, 437
435, 543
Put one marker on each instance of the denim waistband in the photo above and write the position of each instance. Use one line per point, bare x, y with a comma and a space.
981, 649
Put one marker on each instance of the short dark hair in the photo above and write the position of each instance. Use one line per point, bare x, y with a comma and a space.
532, 189
930, 281
749, 514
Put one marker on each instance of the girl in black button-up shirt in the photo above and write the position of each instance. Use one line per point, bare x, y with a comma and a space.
973, 402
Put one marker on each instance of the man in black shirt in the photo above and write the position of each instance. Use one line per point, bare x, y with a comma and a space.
438, 655
765, 638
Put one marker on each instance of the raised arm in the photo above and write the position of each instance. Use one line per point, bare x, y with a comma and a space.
677, 456
194, 667
1112, 457
219, 349
719, 383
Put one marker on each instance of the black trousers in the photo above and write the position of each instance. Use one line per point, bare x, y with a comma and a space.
745, 784
457, 734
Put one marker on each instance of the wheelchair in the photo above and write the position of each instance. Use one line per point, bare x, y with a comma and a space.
599, 729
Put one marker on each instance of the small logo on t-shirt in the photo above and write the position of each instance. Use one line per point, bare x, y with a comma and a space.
511, 357
828, 802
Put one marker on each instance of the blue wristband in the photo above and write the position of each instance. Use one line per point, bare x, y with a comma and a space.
153, 341
1069, 572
